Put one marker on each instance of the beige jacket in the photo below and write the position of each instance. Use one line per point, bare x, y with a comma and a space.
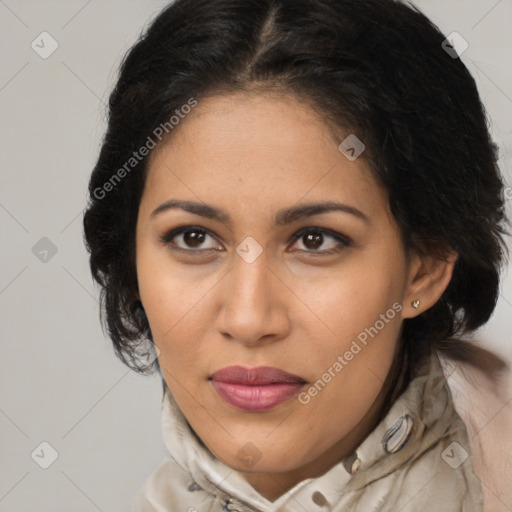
418, 458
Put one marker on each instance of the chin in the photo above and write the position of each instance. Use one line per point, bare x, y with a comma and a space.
271, 466
249, 459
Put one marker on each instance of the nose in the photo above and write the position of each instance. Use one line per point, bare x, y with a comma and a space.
253, 307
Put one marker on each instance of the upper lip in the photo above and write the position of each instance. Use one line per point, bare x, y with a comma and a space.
260, 376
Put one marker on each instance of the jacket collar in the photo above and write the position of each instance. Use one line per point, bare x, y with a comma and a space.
415, 422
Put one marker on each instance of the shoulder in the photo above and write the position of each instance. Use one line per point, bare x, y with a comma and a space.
485, 406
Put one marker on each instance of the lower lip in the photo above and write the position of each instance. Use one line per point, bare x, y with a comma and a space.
256, 398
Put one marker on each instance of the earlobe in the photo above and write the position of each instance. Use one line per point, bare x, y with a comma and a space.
429, 277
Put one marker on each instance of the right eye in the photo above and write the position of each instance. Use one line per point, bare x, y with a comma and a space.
190, 239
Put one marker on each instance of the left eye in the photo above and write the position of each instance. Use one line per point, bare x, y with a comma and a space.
312, 239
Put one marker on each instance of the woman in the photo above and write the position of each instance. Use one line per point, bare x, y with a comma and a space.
295, 202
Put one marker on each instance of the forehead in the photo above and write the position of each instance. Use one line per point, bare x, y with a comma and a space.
253, 121
266, 150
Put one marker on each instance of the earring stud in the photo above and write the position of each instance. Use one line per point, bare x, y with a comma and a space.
415, 304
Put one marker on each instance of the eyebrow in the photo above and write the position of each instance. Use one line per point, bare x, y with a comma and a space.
283, 217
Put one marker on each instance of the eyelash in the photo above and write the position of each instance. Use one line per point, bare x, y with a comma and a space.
344, 241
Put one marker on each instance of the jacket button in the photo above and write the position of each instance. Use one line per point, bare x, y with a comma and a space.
355, 466
397, 436
233, 505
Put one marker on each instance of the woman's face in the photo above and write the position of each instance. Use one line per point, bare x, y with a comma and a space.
255, 279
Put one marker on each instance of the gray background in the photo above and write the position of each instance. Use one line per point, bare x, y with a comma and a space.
59, 379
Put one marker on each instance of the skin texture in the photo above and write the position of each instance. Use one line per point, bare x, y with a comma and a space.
293, 307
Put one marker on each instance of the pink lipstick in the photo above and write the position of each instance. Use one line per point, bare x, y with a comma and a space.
255, 389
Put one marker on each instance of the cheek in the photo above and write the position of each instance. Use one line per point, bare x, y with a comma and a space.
344, 302
173, 302
348, 380
361, 322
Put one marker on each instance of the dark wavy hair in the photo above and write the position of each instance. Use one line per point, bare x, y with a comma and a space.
375, 68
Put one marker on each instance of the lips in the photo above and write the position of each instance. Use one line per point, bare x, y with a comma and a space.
255, 389
260, 376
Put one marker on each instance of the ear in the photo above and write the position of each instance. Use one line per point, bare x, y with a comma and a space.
430, 273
